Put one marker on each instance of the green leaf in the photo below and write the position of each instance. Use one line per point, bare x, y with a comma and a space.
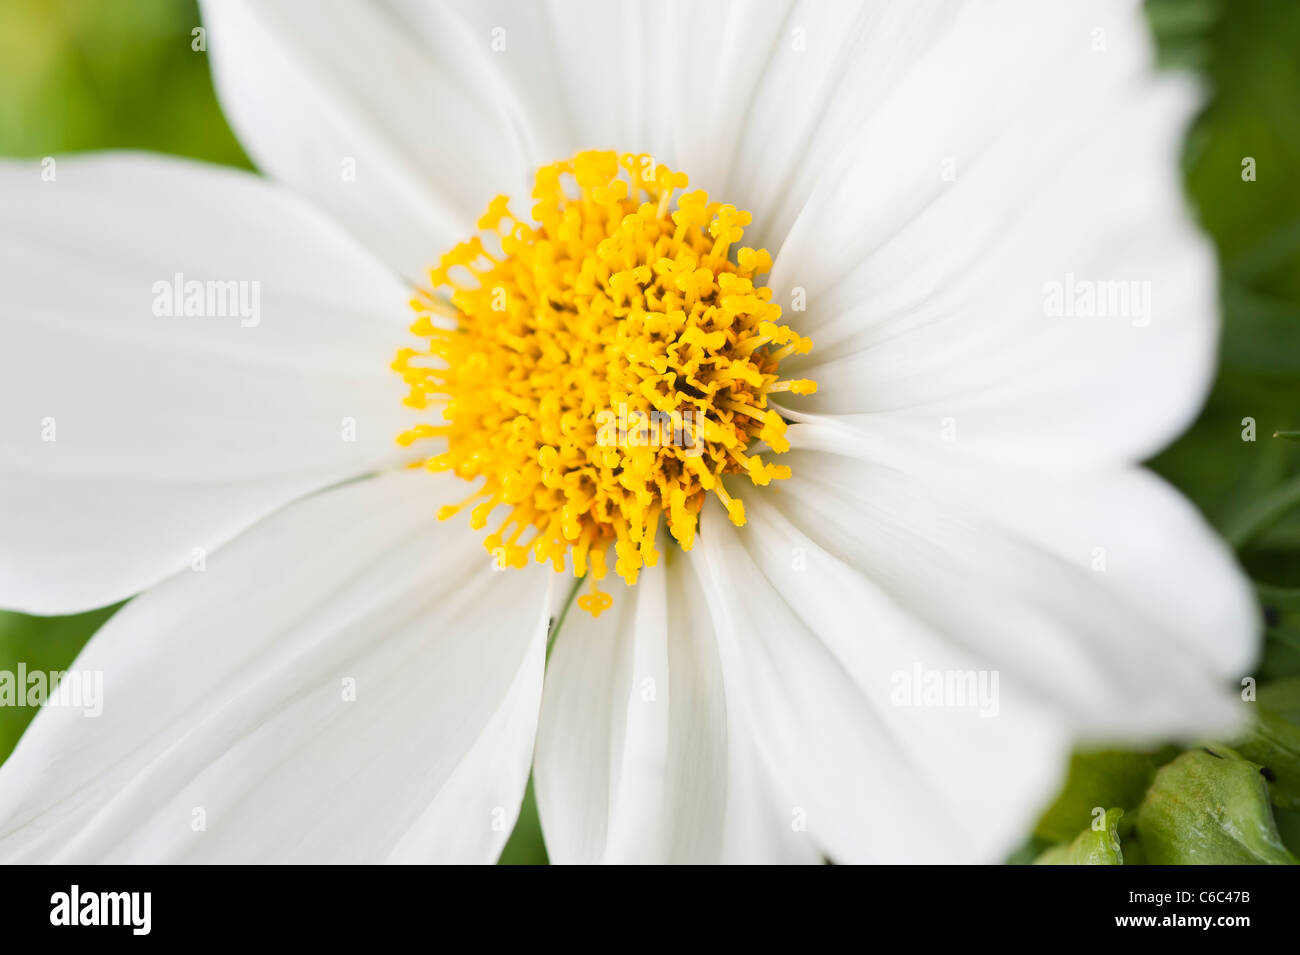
1266, 332
1182, 29
1095, 780
1281, 660
1274, 743
1274, 740
1210, 807
1271, 253
1096, 845
1257, 515
1281, 697
1288, 827
1281, 608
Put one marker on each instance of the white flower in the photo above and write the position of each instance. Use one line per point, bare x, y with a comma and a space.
318, 669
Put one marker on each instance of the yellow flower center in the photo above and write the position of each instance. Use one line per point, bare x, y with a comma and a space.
601, 367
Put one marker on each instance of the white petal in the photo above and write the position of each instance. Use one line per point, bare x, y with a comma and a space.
442, 105
642, 754
225, 700
819, 653
751, 98
1107, 596
578, 74
386, 114
131, 440
776, 89
934, 297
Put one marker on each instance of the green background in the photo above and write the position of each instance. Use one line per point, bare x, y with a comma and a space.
80, 74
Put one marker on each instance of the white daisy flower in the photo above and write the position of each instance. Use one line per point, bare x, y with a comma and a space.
947, 570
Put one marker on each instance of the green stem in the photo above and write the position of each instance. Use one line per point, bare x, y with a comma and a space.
564, 612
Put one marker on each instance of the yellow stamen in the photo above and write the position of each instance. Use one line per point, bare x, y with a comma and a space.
800, 386
609, 363
596, 602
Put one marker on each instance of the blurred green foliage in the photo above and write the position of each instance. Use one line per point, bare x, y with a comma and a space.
1249, 54
81, 74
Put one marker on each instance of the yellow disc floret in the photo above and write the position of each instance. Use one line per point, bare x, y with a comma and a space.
600, 367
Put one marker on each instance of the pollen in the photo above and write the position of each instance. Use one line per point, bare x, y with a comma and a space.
600, 367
